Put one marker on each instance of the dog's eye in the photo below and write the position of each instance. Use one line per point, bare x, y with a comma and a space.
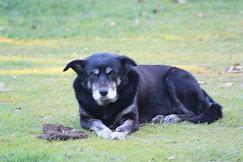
95, 72
108, 70
111, 73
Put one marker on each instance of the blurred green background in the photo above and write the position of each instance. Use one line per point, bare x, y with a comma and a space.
38, 38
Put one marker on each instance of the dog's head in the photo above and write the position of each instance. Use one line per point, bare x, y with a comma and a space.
102, 73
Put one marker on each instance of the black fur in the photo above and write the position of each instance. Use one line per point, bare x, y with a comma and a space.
145, 91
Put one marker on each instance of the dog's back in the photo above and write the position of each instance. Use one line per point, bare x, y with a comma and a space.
162, 89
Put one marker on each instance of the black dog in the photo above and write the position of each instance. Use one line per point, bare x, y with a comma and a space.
114, 92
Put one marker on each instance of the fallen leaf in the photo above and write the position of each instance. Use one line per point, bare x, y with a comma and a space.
171, 157
11, 137
201, 15
2, 87
136, 21
68, 155
67, 30
236, 68
181, 1
45, 117
201, 82
112, 24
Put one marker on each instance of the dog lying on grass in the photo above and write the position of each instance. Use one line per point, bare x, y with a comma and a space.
114, 93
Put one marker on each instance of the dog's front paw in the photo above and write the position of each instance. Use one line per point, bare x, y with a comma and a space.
105, 133
118, 135
173, 118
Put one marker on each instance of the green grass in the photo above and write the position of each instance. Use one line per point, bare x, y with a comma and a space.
38, 38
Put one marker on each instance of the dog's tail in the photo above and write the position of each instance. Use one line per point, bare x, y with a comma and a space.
211, 113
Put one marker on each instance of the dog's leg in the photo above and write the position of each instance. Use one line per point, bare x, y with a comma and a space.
128, 121
174, 118
158, 119
127, 127
100, 129
97, 126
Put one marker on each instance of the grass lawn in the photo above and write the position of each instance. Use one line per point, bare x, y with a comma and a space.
38, 38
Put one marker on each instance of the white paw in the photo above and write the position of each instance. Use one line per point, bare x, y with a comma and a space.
104, 133
118, 135
158, 119
171, 119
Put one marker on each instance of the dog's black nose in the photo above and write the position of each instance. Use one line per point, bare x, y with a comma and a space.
103, 92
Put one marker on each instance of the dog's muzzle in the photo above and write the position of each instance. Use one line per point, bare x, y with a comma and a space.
104, 95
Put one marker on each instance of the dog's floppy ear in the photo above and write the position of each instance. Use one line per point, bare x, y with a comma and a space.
76, 65
125, 61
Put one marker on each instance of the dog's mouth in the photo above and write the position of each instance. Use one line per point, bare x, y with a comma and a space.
105, 101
